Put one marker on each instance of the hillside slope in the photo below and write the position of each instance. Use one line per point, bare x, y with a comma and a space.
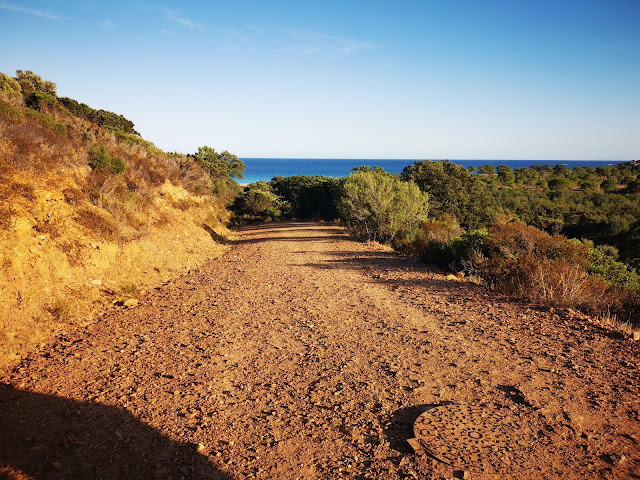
303, 354
89, 216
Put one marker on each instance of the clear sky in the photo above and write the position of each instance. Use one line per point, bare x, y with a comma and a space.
479, 79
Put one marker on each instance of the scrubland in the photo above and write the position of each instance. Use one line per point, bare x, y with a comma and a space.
90, 216
511, 231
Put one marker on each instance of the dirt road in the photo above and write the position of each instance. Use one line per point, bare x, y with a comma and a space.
304, 354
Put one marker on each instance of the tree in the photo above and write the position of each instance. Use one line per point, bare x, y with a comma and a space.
9, 87
609, 185
543, 171
31, 82
377, 205
455, 191
559, 184
633, 186
219, 165
103, 118
487, 170
506, 175
561, 171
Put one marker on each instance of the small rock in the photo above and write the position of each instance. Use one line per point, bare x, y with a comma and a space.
462, 474
96, 281
131, 302
636, 335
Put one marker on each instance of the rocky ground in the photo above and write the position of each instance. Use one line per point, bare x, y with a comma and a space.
303, 354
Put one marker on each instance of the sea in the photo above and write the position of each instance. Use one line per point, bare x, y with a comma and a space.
264, 169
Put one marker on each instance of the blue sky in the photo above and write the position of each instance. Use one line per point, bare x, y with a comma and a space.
347, 79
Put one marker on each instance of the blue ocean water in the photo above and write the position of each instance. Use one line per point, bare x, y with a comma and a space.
264, 169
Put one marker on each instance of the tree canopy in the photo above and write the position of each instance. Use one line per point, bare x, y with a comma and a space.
219, 165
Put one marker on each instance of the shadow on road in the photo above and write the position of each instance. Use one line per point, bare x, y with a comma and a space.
44, 436
307, 231
271, 238
400, 426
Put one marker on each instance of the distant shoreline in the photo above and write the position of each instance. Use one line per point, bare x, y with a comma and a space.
264, 169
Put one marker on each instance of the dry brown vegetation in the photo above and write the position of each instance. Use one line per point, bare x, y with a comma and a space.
71, 235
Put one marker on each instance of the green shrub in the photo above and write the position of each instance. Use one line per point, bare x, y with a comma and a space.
219, 165
103, 118
558, 184
117, 165
10, 110
455, 191
376, 205
258, 201
47, 120
30, 82
100, 160
9, 87
609, 185
433, 241
506, 175
603, 262
487, 170
633, 186
37, 100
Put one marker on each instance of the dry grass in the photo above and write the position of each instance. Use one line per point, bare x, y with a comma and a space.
563, 284
73, 239
61, 310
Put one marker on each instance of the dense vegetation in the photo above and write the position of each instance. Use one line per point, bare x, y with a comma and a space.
44, 134
559, 236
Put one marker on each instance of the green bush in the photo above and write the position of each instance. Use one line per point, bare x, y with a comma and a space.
103, 118
603, 262
633, 186
100, 160
258, 201
487, 170
506, 175
557, 184
376, 205
37, 100
609, 185
433, 241
10, 110
9, 87
30, 82
48, 121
